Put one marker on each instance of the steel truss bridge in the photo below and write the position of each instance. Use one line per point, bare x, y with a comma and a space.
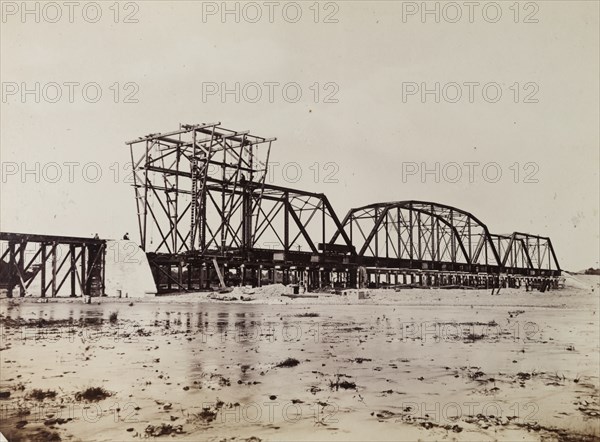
207, 214
46, 262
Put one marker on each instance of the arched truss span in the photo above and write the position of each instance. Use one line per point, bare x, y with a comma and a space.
420, 231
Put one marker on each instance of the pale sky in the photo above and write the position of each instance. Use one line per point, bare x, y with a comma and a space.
364, 61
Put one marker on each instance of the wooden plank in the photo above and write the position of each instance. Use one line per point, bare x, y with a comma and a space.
216, 264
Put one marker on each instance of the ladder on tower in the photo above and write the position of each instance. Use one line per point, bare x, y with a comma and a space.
194, 202
171, 197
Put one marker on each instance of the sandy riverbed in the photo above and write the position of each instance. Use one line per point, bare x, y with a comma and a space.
408, 365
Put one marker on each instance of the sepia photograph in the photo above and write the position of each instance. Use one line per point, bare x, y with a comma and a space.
255, 221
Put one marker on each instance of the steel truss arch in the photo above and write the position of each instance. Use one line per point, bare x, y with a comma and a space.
447, 234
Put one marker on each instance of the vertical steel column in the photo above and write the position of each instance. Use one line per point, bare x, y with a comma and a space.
176, 208
419, 236
387, 234
11, 269
452, 238
73, 268
83, 270
286, 222
376, 232
137, 198
54, 275
399, 232
43, 269
323, 222
146, 186
470, 257
410, 234
103, 269
432, 233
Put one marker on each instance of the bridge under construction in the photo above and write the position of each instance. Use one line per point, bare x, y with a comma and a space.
207, 215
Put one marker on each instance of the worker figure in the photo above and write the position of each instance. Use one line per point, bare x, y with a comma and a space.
96, 236
126, 236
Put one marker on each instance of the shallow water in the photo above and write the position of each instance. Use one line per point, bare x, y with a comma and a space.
412, 371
